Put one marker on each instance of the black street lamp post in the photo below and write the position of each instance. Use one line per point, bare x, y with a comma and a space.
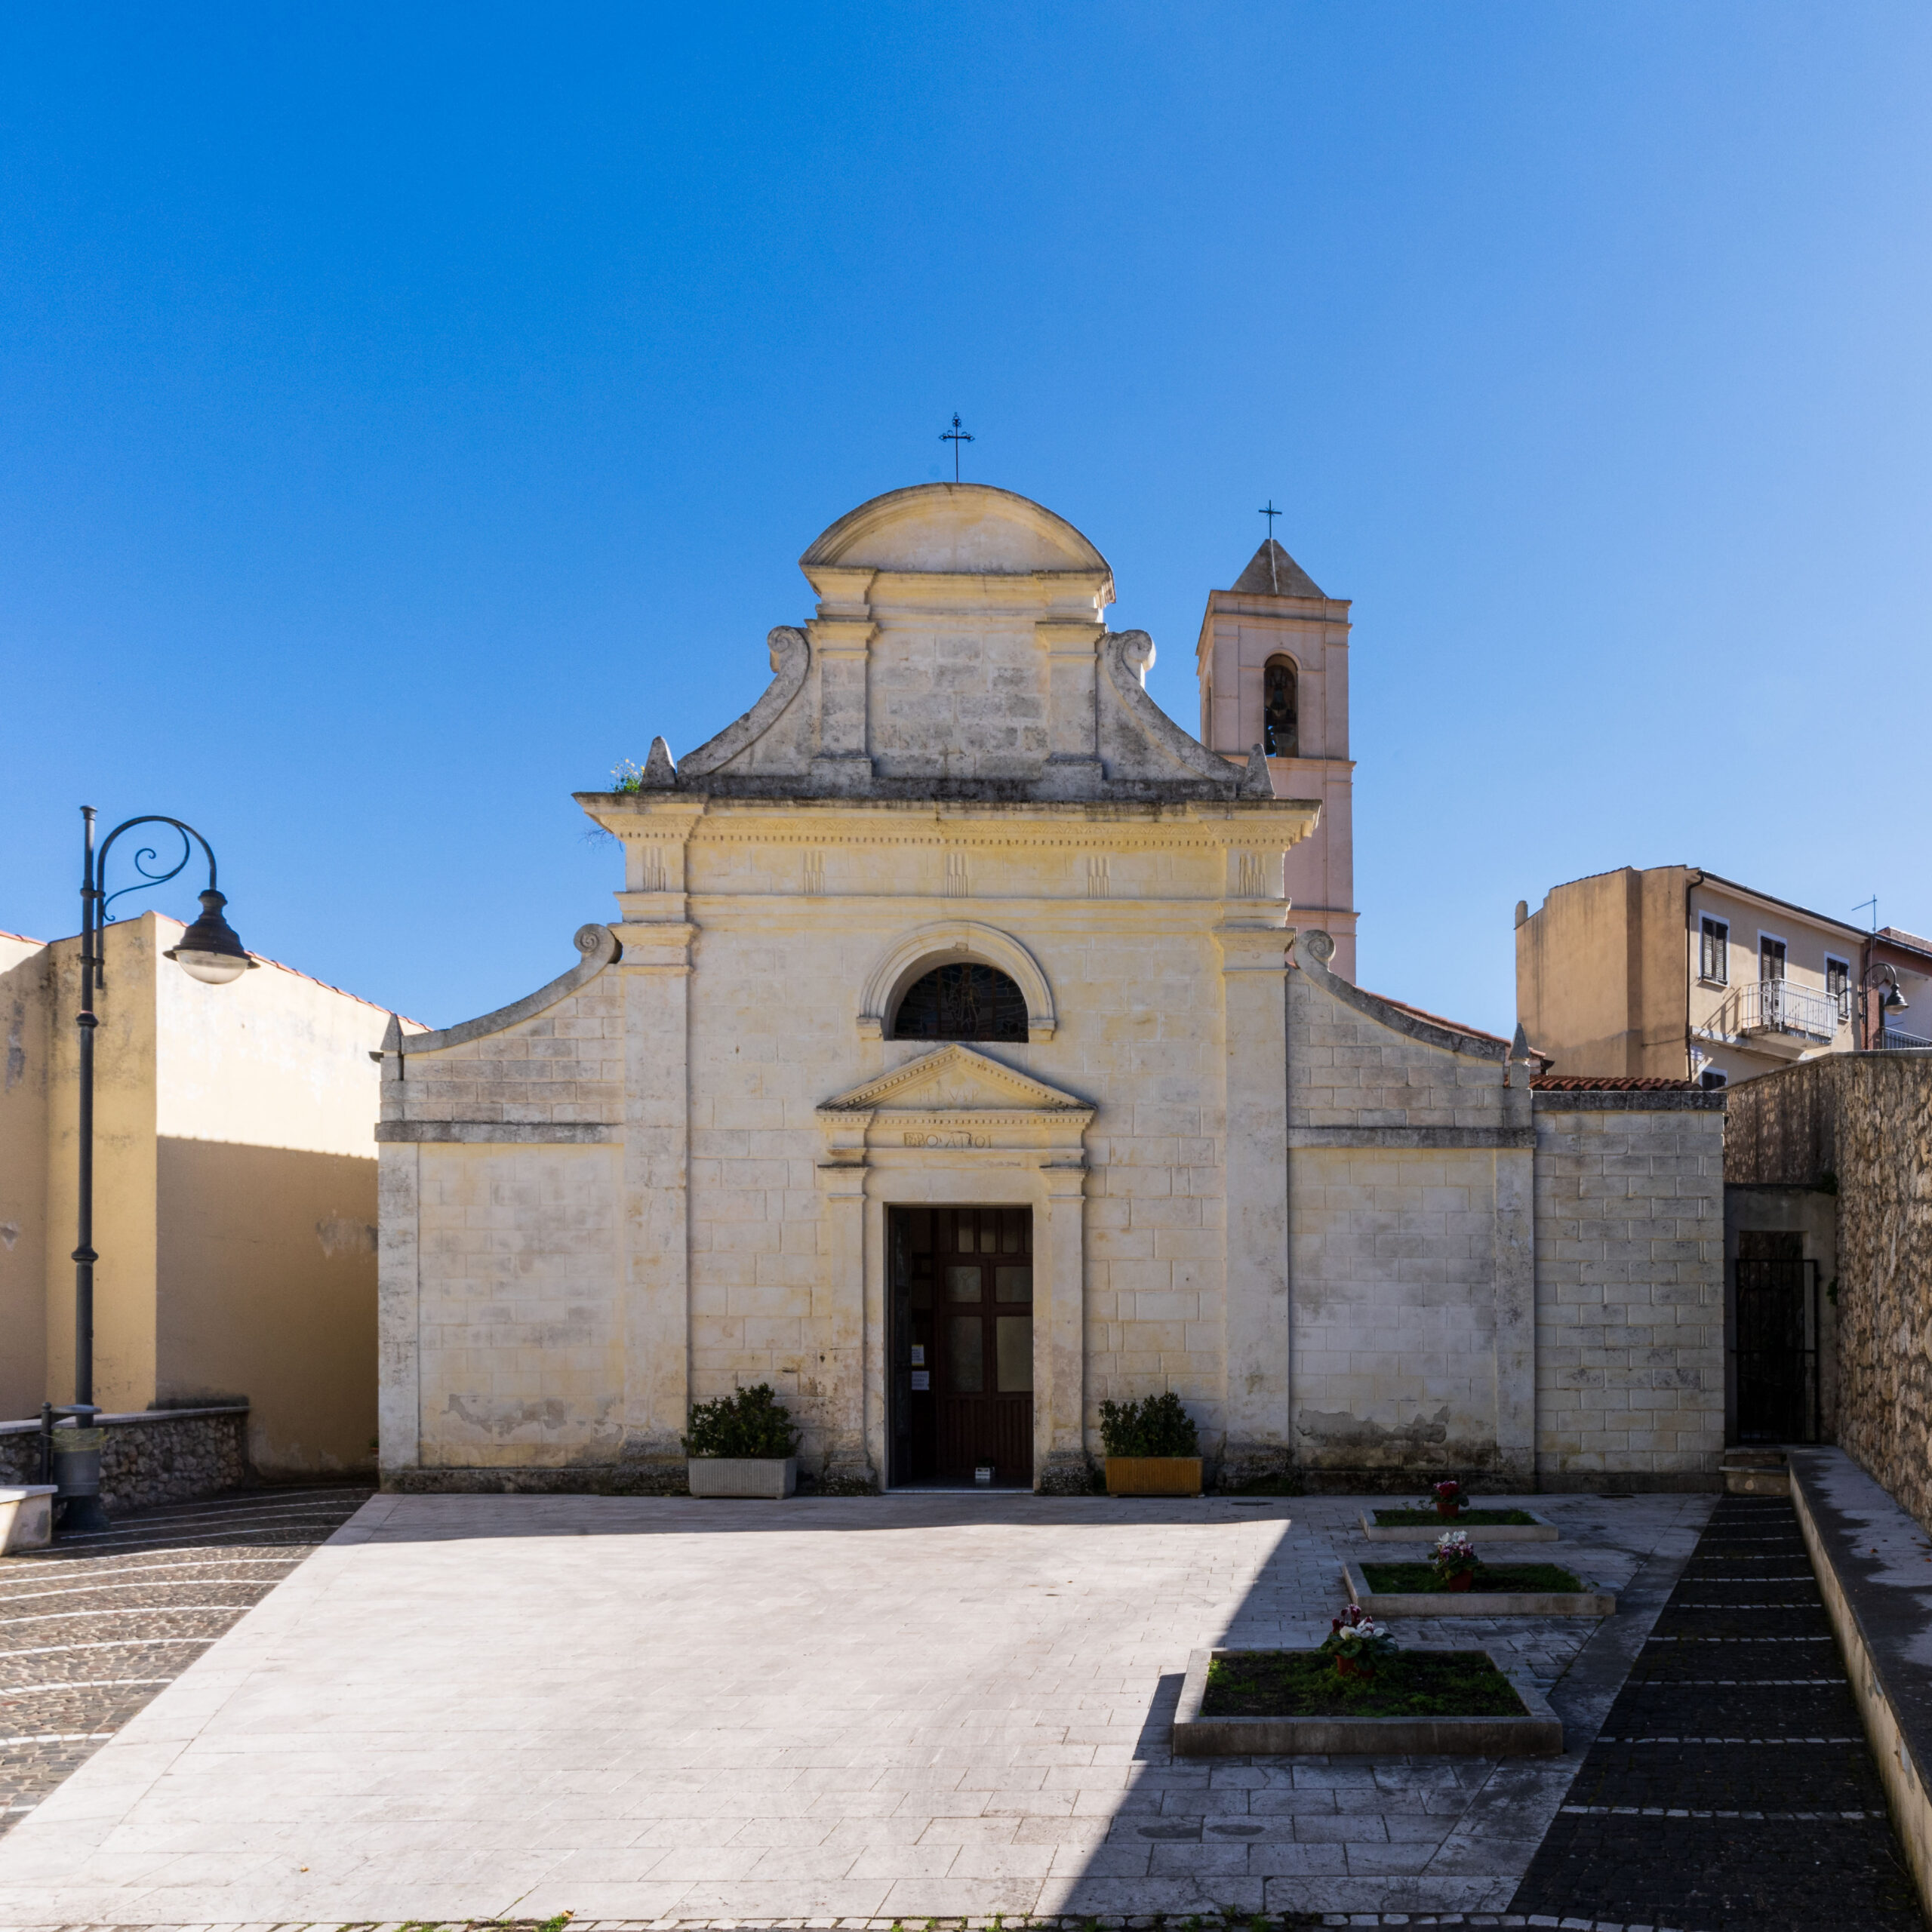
209, 952
1891, 1001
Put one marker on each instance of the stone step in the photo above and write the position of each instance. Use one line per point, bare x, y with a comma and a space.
1755, 1472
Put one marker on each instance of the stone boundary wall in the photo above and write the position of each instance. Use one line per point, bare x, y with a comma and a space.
152, 1456
1863, 1122
1630, 1305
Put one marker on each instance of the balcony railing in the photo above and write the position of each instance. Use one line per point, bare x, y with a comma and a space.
1777, 1006
1897, 1041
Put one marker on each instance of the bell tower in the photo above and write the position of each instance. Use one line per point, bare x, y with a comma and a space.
1273, 666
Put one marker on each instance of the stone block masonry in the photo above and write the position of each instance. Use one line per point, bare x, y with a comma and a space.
1860, 1125
156, 1455
1629, 1285
1490, 1278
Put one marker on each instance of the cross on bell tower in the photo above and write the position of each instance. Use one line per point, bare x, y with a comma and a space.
1271, 513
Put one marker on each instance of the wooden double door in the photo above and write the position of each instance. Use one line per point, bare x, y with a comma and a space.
961, 1284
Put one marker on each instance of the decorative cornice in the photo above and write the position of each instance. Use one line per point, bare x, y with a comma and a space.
1412, 1137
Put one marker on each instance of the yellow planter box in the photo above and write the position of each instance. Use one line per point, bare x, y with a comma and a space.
1153, 1475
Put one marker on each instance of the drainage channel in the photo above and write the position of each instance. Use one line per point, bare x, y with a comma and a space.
1731, 1788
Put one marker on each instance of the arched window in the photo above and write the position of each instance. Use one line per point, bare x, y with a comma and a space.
1279, 733
962, 1001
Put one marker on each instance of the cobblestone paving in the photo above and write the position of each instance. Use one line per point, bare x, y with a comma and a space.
1731, 1788
93, 1628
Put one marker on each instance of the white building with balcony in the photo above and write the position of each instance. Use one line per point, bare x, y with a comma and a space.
1673, 972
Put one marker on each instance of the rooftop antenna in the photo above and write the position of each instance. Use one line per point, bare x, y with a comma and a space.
1873, 902
956, 436
1271, 513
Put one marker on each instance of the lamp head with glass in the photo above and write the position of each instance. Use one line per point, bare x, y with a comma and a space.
209, 950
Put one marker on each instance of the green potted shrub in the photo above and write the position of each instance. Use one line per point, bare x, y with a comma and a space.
742, 1444
1151, 1448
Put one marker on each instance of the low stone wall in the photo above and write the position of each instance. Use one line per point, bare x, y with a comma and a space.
155, 1456
1867, 1553
1862, 1123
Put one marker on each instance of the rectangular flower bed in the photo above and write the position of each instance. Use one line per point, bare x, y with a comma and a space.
1508, 1589
1402, 1525
1234, 1703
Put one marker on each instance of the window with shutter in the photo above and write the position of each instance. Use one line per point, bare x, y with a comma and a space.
1714, 953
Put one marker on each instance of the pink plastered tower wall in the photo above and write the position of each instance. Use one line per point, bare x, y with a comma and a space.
1275, 609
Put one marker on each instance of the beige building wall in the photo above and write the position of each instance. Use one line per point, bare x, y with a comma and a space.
1609, 979
23, 1219
235, 1183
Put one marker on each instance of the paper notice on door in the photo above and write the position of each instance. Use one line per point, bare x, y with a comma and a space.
922, 1378
918, 1355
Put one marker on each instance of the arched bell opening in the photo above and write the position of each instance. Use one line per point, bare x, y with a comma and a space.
1280, 708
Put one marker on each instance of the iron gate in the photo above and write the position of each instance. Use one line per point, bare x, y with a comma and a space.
1777, 1351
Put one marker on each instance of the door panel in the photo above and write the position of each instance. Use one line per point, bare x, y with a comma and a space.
961, 1347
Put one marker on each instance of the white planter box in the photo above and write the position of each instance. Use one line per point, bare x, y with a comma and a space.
26, 1517
766, 1476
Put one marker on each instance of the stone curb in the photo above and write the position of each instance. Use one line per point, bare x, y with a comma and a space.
1877, 1610
1536, 1732
1539, 1529
1049, 1922
1488, 1603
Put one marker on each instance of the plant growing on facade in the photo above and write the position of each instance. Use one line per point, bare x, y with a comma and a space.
1358, 1643
1453, 1560
750, 1423
1155, 1426
627, 776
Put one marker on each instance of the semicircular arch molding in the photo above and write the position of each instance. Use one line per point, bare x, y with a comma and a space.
944, 941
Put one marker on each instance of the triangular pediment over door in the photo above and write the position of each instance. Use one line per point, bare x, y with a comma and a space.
953, 1098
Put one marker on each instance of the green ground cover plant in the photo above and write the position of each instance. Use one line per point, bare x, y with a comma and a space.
1155, 1426
1408, 1519
749, 1422
1540, 1577
1297, 1683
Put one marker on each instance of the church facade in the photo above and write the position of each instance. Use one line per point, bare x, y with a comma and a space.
958, 1061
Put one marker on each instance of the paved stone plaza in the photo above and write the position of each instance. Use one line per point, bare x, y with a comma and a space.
484, 1706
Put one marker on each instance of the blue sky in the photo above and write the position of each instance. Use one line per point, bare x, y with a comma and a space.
406, 412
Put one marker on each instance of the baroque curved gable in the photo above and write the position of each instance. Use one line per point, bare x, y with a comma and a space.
959, 649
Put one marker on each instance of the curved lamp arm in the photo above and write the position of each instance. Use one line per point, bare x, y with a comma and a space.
209, 950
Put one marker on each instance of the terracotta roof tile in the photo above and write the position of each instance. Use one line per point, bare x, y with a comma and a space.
1436, 1019
1899, 937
